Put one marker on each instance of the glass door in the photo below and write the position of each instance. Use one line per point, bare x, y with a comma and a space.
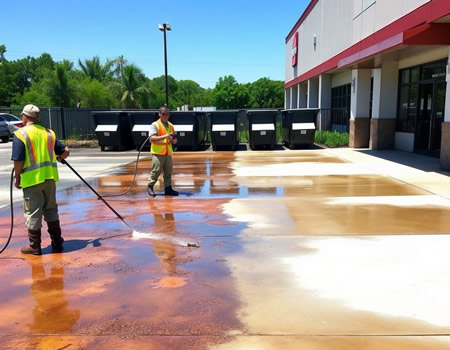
438, 115
430, 117
424, 118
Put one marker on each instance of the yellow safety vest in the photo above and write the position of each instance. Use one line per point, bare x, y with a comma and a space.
165, 147
40, 159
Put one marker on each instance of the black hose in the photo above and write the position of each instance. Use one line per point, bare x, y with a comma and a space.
135, 173
12, 211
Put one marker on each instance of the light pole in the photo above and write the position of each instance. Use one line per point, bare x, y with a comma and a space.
164, 28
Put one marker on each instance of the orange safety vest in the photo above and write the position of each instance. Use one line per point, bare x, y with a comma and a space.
165, 147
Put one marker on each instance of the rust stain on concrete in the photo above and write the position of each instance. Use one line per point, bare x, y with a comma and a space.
291, 242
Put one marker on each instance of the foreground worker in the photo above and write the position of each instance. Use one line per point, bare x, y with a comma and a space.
162, 137
35, 150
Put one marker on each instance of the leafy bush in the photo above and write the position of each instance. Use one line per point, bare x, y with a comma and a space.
331, 138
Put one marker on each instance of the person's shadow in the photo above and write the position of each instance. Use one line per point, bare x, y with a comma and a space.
51, 313
72, 245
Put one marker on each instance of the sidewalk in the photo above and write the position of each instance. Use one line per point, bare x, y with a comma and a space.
415, 169
90, 163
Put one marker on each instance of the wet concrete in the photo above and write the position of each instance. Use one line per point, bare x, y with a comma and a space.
301, 249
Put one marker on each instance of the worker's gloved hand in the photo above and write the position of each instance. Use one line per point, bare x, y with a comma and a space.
173, 136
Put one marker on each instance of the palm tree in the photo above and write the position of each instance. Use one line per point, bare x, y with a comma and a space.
59, 88
131, 86
95, 70
119, 63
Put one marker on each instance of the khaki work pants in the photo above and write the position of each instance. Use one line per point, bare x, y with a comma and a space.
161, 163
40, 200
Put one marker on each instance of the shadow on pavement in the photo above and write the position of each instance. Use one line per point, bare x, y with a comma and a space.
72, 245
413, 160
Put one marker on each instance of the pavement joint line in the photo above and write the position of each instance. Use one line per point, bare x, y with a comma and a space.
234, 335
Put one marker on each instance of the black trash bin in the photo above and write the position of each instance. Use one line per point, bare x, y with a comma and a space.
190, 128
140, 123
224, 131
262, 128
113, 130
298, 127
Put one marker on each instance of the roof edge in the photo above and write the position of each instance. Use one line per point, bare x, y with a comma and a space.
302, 18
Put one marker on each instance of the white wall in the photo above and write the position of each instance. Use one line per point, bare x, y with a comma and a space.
338, 24
432, 54
342, 78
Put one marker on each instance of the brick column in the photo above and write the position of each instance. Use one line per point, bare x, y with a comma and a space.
382, 134
445, 146
359, 133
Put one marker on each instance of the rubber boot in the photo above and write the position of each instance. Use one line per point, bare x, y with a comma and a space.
150, 190
54, 230
169, 191
34, 247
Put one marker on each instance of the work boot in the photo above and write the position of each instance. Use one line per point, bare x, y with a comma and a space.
34, 247
54, 230
169, 191
150, 190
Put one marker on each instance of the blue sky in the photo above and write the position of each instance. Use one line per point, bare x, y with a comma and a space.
209, 38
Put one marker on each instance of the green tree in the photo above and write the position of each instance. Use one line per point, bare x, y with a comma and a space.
159, 83
94, 94
188, 92
41, 65
8, 88
119, 63
266, 93
60, 88
37, 95
229, 94
2, 52
95, 70
131, 87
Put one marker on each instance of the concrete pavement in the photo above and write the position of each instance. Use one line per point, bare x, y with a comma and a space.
89, 163
314, 249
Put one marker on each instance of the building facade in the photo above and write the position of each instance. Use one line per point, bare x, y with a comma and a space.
385, 62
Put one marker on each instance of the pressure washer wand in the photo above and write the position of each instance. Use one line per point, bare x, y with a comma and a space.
63, 161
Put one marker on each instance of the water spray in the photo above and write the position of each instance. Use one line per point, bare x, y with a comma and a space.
136, 234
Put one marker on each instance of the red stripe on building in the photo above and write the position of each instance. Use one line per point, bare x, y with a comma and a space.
425, 14
302, 19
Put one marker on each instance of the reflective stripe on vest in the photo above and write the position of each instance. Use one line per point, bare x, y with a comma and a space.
165, 147
40, 160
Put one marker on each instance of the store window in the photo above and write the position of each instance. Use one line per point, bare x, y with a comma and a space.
408, 97
407, 104
433, 71
340, 107
340, 96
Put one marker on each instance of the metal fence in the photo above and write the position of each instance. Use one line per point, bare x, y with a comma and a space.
66, 122
78, 122
333, 119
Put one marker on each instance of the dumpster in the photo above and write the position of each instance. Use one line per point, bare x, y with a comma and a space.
190, 128
113, 130
140, 122
224, 129
298, 127
262, 128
